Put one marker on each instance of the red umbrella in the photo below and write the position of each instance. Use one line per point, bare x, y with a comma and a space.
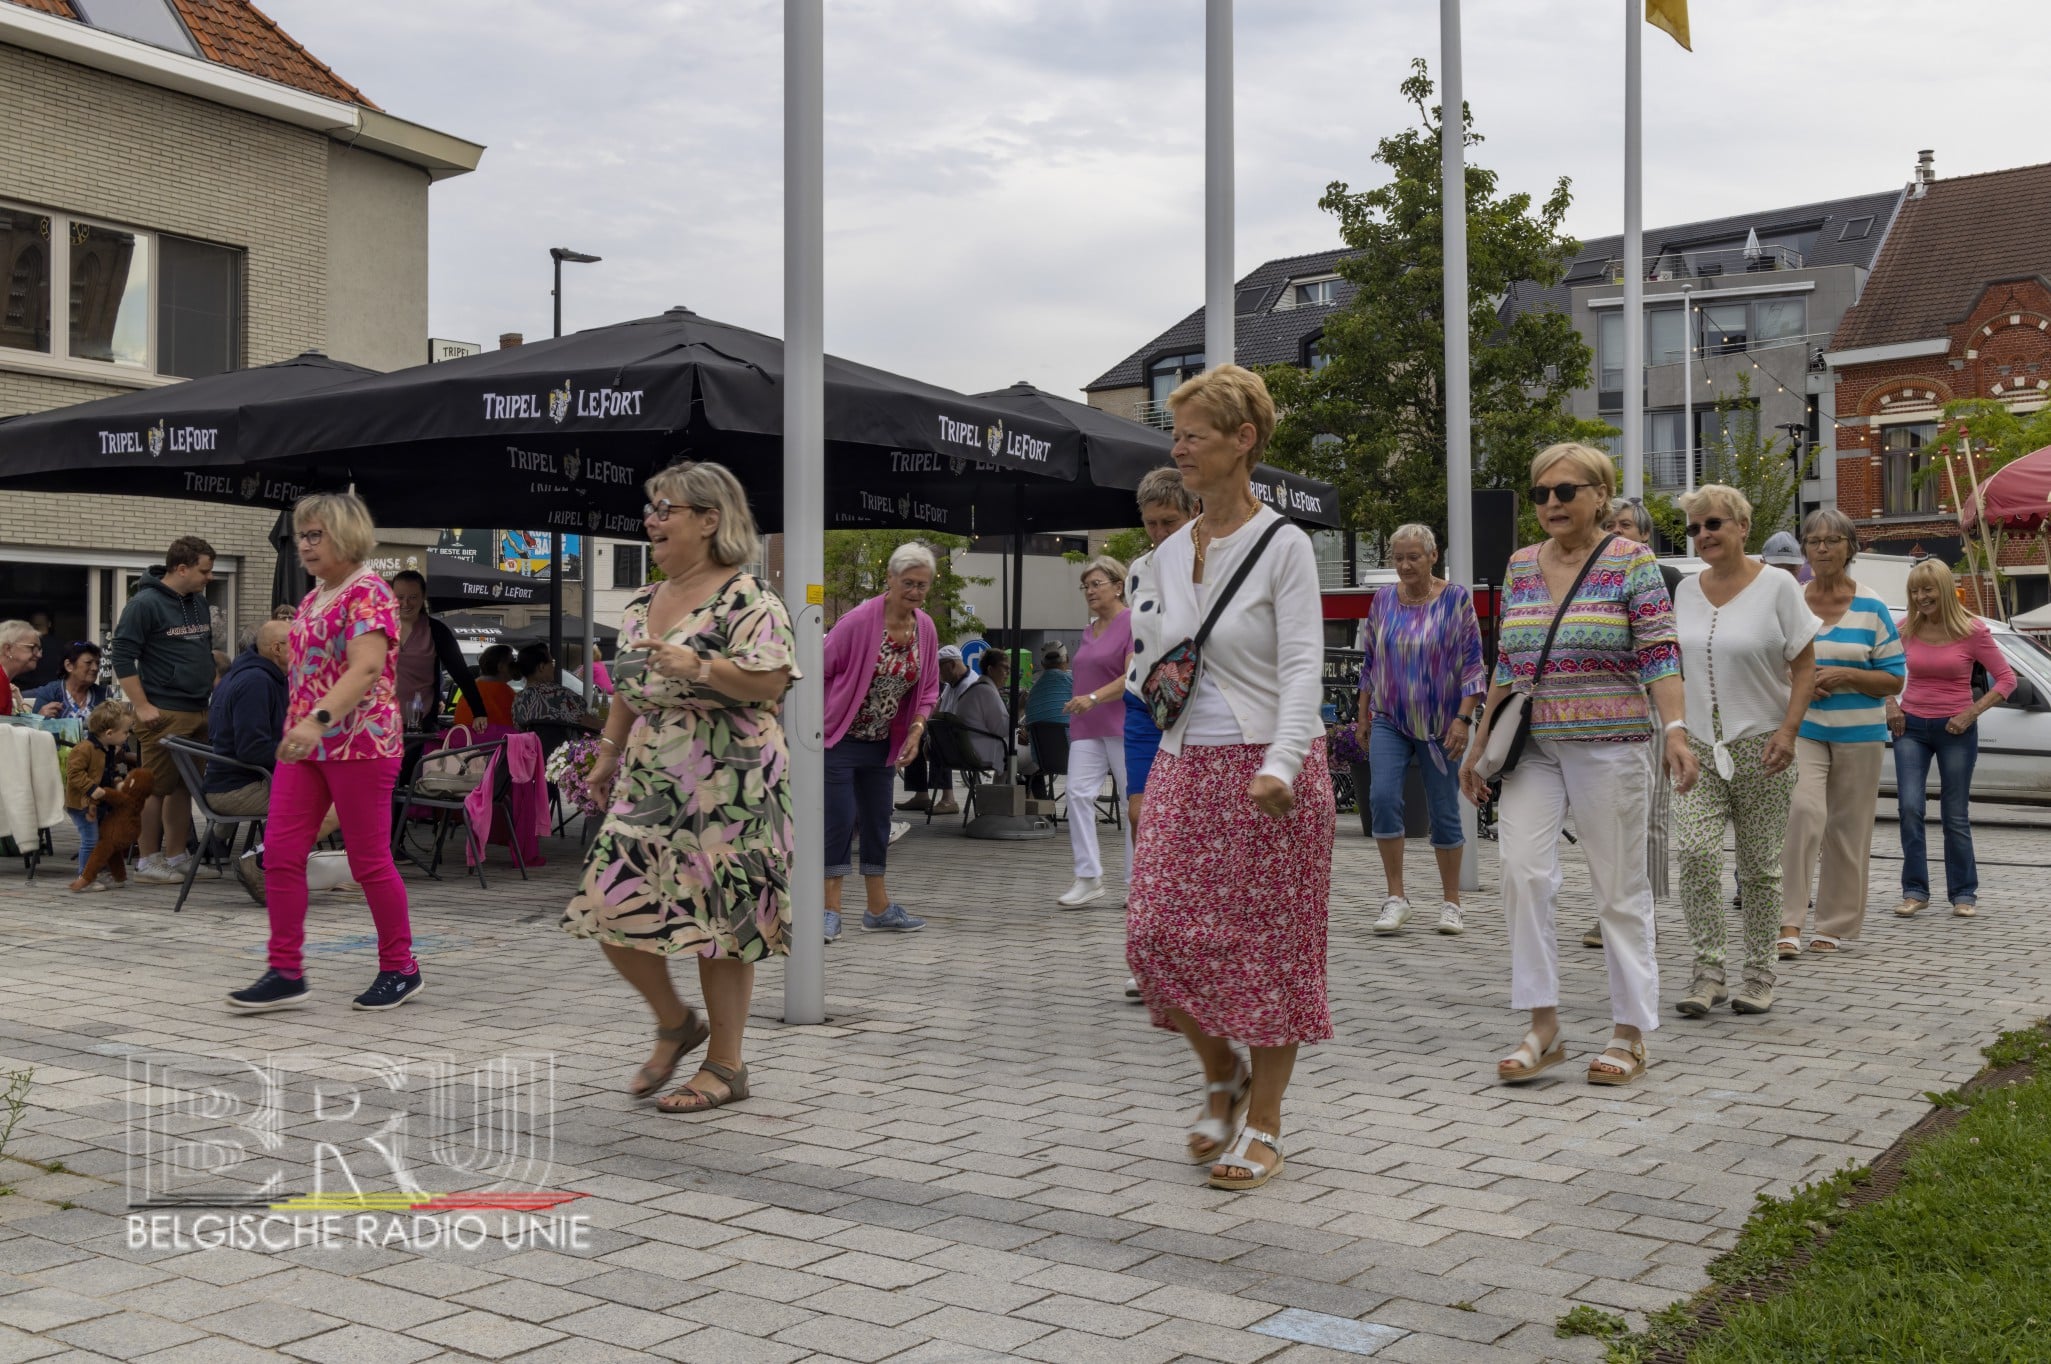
2015, 497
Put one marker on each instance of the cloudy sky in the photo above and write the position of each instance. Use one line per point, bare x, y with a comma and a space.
1014, 187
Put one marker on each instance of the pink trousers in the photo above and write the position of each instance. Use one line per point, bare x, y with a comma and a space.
361, 792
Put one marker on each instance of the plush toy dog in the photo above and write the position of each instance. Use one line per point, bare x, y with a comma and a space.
120, 826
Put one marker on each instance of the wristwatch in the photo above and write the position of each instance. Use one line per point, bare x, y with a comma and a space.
1465, 719
324, 717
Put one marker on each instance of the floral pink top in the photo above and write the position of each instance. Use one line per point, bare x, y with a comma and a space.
320, 655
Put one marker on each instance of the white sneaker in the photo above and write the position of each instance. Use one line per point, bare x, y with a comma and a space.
107, 882
155, 871
899, 828
1395, 913
1449, 919
1085, 889
1132, 987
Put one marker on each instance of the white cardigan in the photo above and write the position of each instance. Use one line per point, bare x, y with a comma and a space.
1266, 654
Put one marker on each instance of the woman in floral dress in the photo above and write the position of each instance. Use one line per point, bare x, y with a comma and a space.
694, 855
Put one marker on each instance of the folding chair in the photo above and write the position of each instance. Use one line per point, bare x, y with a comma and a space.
192, 759
948, 745
1050, 748
446, 796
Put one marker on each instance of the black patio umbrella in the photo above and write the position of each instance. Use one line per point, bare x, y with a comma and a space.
454, 583
487, 626
290, 581
178, 440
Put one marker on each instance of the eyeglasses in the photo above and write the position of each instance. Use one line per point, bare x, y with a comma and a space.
913, 585
661, 510
311, 537
1823, 541
1712, 524
1542, 493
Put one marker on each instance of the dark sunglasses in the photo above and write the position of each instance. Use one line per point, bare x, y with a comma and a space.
1542, 493
1712, 524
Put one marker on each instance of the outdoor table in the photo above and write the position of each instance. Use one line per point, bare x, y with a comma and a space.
31, 789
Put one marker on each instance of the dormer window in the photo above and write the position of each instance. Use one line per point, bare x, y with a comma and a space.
1312, 292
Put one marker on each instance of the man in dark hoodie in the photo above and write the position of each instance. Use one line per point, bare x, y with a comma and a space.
245, 721
163, 657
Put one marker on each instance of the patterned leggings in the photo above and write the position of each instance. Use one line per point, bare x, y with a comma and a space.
1758, 805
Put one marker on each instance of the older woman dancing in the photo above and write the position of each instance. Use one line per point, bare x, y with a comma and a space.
1588, 716
1226, 922
882, 680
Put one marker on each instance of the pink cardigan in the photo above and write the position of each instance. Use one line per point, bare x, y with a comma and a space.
851, 649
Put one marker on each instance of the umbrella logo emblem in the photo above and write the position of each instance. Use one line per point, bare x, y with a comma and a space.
498, 589
956, 464
559, 403
157, 440
572, 462
904, 508
592, 519
994, 438
250, 483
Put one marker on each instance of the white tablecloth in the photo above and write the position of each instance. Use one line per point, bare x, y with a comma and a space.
31, 784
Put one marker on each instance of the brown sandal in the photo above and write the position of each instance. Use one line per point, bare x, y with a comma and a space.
688, 1036
735, 1078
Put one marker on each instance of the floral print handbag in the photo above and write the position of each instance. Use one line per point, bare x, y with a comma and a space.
1173, 677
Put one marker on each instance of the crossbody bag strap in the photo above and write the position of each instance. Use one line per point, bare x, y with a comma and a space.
1232, 585
1545, 652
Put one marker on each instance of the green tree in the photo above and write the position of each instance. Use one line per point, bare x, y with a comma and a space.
1748, 457
1124, 546
1372, 419
858, 563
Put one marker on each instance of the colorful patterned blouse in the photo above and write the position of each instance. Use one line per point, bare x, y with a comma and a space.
1617, 639
897, 673
320, 655
1420, 661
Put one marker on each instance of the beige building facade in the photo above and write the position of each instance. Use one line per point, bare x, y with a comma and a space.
219, 215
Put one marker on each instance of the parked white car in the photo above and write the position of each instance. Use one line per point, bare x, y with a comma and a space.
2015, 736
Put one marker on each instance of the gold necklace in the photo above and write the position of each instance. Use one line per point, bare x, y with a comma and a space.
1201, 538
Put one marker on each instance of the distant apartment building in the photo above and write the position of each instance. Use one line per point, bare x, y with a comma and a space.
1959, 306
185, 190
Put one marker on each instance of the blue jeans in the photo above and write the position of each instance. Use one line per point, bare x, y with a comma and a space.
1955, 754
1389, 754
88, 836
859, 784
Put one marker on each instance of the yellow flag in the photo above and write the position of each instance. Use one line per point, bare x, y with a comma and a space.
1671, 15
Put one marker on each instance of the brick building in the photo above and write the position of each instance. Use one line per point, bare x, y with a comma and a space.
184, 189
1959, 306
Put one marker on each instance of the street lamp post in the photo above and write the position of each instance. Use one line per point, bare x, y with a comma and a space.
559, 254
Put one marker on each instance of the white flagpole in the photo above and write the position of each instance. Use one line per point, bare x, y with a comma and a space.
804, 504
1459, 417
1634, 256
1219, 343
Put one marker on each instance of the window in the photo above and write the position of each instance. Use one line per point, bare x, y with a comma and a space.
1248, 300
199, 312
25, 256
1609, 346
1904, 455
1724, 327
1314, 356
1168, 372
134, 299
146, 21
1778, 322
1317, 291
1856, 229
629, 566
1663, 336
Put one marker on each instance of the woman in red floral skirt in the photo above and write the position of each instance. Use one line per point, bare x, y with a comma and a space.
1225, 924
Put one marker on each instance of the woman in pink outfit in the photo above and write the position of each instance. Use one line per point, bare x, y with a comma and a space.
1937, 720
1096, 726
341, 748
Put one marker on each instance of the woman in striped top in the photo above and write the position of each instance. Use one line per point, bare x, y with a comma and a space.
1843, 740
1616, 643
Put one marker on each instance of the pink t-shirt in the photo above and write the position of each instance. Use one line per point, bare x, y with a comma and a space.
1099, 662
1940, 681
320, 655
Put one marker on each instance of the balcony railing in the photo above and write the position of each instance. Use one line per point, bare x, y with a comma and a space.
1723, 260
1154, 414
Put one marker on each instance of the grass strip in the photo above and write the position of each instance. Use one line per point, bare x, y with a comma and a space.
1953, 1265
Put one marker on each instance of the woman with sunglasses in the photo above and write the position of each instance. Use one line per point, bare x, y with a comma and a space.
1748, 651
1588, 717
882, 663
1859, 665
77, 689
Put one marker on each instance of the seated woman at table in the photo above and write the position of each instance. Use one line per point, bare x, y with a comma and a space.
427, 651
77, 689
545, 698
495, 684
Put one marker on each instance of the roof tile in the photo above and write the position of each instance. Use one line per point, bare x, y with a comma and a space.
1945, 249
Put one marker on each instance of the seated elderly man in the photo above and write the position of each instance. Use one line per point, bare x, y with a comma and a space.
931, 785
245, 721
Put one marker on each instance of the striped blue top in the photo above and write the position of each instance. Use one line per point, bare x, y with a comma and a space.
1864, 637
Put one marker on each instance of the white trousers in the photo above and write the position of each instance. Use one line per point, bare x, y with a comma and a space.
1089, 762
1607, 787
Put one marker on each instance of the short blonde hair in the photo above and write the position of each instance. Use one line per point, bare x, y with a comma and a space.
1415, 530
1589, 464
704, 486
108, 716
1230, 396
1163, 488
1718, 497
1951, 612
1110, 568
343, 519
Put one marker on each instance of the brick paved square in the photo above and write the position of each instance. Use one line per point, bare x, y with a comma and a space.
980, 1156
